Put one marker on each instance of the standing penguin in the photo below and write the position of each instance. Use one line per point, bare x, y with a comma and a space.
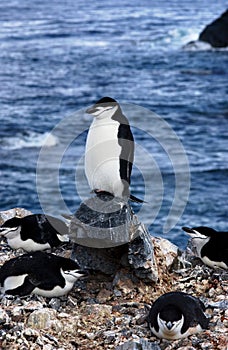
109, 150
177, 315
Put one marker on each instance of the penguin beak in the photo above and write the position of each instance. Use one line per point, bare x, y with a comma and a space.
98, 109
78, 273
5, 230
169, 325
193, 233
91, 110
190, 231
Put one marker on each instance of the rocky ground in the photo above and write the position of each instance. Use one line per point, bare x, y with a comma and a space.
109, 312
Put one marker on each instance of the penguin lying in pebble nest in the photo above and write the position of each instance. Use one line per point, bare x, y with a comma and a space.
209, 245
39, 273
34, 232
177, 315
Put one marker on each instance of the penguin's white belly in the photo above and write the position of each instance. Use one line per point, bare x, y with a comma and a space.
102, 158
57, 291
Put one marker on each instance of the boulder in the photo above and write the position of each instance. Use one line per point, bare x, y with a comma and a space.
216, 33
108, 235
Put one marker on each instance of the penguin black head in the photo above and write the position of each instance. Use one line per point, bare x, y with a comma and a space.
11, 228
209, 245
103, 108
176, 315
200, 230
170, 318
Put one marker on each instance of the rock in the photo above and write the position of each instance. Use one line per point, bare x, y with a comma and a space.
216, 33
141, 255
168, 249
104, 295
123, 282
4, 318
141, 344
41, 319
110, 224
97, 310
219, 304
102, 222
55, 303
106, 260
11, 213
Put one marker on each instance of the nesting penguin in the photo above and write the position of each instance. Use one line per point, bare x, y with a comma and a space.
34, 232
39, 273
109, 150
209, 245
177, 315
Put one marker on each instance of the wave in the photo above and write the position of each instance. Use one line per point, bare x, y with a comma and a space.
29, 139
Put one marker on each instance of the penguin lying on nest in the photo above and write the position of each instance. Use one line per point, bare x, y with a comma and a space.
177, 315
39, 273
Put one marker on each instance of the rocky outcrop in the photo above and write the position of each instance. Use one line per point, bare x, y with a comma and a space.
108, 235
216, 33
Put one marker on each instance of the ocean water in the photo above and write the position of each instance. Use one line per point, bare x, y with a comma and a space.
57, 58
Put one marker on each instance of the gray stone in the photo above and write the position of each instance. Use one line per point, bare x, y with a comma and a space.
109, 223
140, 344
11, 213
223, 305
4, 318
41, 319
103, 221
106, 260
141, 255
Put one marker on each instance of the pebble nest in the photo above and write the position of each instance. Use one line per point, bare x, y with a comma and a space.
109, 312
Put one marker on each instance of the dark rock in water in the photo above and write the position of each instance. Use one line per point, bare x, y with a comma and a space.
107, 235
216, 33
139, 344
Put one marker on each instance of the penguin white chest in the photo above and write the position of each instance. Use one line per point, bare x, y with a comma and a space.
102, 157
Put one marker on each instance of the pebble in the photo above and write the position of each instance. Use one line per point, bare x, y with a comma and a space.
41, 319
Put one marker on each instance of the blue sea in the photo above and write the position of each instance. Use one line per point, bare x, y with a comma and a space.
59, 57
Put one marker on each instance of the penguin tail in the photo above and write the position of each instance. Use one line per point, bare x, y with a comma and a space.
135, 199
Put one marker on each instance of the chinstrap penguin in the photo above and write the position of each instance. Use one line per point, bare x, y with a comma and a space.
39, 273
34, 232
209, 245
177, 315
109, 151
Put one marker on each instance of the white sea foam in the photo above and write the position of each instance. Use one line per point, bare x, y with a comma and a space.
29, 139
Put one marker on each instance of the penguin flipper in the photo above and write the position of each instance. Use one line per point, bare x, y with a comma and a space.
25, 289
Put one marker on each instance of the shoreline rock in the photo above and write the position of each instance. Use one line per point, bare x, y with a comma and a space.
213, 37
